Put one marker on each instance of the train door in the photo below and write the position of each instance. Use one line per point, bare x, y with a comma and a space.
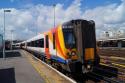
54, 45
78, 34
47, 47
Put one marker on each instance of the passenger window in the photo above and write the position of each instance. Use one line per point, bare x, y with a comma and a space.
41, 43
47, 42
53, 40
29, 43
32, 43
36, 43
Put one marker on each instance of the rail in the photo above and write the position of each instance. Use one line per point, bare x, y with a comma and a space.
100, 76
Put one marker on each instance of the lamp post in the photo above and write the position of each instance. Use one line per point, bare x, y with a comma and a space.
54, 5
4, 34
12, 38
54, 34
2, 41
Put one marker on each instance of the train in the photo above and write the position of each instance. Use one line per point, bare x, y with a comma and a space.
70, 46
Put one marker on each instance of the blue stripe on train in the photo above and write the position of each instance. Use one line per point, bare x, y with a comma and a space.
58, 59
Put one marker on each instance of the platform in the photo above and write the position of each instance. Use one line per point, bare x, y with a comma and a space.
15, 68
20, 66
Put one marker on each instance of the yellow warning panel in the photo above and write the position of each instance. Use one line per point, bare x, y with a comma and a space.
89, 53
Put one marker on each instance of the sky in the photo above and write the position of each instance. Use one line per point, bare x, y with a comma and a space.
31, 17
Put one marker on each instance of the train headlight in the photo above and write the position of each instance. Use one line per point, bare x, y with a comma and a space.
88, 66
73, 53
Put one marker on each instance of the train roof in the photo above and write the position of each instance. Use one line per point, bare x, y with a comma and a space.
77, 20
32, 39
35, 38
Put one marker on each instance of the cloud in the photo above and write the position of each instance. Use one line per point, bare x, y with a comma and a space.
109, 17
39, 18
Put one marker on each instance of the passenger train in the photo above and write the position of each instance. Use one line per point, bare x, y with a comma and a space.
70, 46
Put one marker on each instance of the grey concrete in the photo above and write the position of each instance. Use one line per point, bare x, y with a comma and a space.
18, 70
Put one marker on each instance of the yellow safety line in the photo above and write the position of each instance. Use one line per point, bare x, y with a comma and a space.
41, 74
121, 58
114, 64
38, 70
104, 64
118, 65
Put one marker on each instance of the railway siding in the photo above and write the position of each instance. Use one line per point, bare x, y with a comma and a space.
116, 62
112, 52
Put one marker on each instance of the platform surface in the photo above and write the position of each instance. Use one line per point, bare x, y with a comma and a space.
15, 68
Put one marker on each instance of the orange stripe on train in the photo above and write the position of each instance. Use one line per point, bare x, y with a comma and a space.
58, 45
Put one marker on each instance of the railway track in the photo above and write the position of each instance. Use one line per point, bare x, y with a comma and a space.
115, 52
114, 57
101, 75
116, 62
114, 75
120, 69
102, 78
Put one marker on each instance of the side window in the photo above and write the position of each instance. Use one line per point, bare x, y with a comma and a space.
32, 43
28, 43
36, 43
41, 43
47, 42
53, 40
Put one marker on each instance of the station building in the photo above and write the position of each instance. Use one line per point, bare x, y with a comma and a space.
111, 42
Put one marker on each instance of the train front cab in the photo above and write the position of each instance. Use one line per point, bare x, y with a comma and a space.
85, 38
86, 44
